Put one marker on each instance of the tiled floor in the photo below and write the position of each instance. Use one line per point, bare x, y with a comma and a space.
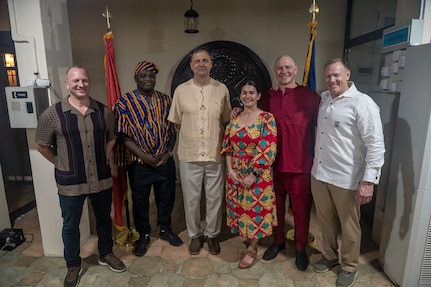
164, 265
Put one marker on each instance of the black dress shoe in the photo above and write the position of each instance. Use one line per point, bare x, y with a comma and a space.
141, 245
171, 237
273, 250
301, 260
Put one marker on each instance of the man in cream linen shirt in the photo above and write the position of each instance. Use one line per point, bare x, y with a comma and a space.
349, 154
200, 109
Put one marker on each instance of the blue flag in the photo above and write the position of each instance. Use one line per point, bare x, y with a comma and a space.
311, 83
309, 79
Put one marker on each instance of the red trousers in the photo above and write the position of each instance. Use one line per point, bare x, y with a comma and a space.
297, 186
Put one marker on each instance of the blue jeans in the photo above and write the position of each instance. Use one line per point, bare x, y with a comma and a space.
71, 211
142, 177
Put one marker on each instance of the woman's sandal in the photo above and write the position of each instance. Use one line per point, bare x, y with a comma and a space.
243, 264
244, 252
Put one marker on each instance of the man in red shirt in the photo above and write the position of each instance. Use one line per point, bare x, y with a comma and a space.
295, 110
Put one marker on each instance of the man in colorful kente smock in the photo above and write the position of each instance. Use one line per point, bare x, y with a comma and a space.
147, 139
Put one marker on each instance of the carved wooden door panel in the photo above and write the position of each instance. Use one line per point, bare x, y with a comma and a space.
233, 65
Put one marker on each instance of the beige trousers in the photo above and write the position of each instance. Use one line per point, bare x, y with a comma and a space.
338, 215
210, 175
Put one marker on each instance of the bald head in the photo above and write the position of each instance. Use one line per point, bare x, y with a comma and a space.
284, 57
285, 71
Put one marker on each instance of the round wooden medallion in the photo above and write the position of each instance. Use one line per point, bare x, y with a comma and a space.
233, 65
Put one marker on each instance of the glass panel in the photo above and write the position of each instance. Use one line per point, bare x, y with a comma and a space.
371, 15
11, 78
365, 62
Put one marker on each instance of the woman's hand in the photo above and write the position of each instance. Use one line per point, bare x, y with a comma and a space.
234, 176
249, 180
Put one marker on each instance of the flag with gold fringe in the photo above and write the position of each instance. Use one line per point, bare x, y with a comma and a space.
113, 93
309, 79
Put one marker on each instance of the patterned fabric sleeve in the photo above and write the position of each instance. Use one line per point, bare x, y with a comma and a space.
266, 149
226, 145
45, 134
122, 122
122, 156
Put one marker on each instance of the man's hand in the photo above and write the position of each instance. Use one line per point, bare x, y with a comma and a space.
162, 159
235, 111
365, 191
276, 87
47, 151
148, 159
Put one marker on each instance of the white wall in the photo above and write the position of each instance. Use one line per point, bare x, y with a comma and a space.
153, 30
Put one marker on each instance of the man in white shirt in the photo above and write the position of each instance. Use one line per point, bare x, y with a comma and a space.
349, 155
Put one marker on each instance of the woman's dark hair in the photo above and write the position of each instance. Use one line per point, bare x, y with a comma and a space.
254, 84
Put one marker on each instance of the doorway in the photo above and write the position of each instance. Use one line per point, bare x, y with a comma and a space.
14, 152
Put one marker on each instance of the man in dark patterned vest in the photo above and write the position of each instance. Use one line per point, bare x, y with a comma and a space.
77, 136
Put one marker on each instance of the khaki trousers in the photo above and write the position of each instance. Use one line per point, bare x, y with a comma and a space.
338, 215
212, 176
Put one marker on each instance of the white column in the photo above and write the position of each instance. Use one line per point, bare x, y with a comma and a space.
427, 22
40, 30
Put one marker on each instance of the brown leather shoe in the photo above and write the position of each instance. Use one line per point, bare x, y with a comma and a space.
114, 263
196, 245
213, 246
72, 276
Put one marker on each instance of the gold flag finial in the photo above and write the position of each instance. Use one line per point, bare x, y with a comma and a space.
108, 17
314, 10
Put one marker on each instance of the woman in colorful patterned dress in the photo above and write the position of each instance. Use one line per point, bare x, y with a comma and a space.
250, 144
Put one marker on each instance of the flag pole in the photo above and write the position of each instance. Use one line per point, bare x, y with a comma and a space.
108, 16
128, 235
313, 10
309, 63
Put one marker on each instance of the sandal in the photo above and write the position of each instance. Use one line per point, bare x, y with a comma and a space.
243, 264
244, 252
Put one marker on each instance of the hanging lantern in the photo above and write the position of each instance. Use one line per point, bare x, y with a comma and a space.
191, 20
